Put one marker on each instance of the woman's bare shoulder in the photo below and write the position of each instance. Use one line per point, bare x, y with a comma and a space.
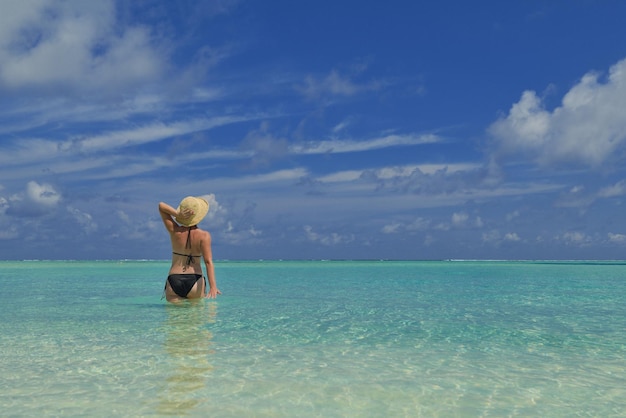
204, 235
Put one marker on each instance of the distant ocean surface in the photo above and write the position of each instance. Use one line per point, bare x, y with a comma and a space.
315, 339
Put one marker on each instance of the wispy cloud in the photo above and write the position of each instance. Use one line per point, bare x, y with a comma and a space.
151, 133
335, 84
617, 189
395, 172
343, 146
328, 238
70, 155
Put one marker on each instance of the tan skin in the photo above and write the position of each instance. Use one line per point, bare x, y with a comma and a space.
200, 245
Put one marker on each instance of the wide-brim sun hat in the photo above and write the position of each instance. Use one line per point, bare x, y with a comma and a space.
198, 205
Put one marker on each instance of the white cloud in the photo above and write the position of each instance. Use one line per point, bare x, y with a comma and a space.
217, 212
588, 128
391, 228
123, 216
512, 215
459, 219
75, 45
491, 236
254, 232
512, 236
462, 219
335, 84
85, 220
332, 238
36, 200
341, 126
617, 238
235, 236
575, 238
618, 189
419, 224
42, 194
577, 199
495, 237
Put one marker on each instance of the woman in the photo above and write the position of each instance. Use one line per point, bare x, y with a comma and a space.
189, 244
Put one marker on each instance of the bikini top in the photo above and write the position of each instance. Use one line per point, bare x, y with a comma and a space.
190, 257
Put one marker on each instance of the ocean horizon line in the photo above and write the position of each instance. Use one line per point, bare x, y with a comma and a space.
250, 260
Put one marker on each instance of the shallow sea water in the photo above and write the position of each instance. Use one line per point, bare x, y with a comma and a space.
315, 339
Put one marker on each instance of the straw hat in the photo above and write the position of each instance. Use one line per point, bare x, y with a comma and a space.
198, 205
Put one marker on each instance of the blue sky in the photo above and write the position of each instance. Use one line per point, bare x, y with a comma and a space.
316, 129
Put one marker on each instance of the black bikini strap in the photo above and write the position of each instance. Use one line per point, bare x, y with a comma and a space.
190, 257
188, 243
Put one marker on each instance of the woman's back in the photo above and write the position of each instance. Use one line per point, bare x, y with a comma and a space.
186, 250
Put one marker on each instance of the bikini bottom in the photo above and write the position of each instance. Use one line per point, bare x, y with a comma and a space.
182, 284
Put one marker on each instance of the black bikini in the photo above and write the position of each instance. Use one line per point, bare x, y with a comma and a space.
182, 284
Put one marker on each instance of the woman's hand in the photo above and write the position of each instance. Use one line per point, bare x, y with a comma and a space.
185, 213
212, 293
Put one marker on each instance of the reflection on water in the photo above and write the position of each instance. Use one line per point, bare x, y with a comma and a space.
188, 344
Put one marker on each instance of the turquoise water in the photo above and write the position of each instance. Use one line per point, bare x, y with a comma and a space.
315, 339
